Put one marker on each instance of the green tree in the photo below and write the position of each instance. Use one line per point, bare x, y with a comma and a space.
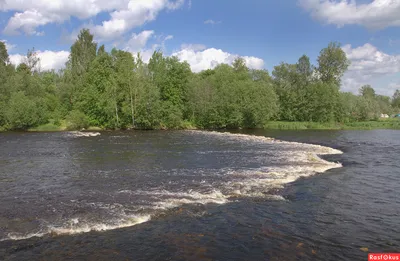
396, 100
367, 92
332, 64
82, 55
304, 69
32, 61
124, 66
99, 98
4, 59
23, 112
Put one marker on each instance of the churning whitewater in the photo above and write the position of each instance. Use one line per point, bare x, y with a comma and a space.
110, 181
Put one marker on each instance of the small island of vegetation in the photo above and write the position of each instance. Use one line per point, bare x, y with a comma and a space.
116, 90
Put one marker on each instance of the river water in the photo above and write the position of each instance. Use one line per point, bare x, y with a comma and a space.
192, 195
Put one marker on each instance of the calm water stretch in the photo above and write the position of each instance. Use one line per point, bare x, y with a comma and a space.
191, 195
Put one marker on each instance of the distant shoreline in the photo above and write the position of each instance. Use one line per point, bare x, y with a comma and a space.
272, 125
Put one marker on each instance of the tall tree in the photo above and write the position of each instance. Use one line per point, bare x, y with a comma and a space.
83, 52
124, 66
32, 60
239, 65
396, 100
332, 63
367, 92
4, 59
304, 68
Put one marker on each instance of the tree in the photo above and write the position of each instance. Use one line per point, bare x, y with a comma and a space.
83, 52
304, 69
239, 65
396, 100
101, 50
32, 61
82, 55
124, 66
5, 74
23, 112
332, 64
367, 92
171, 78
99, 100
4, 59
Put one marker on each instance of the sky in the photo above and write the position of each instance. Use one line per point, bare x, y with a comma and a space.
206, 33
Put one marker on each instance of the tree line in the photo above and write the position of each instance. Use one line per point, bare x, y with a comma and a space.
116, 90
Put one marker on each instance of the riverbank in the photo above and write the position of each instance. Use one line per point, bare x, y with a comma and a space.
361, 125
60, 126
272, 125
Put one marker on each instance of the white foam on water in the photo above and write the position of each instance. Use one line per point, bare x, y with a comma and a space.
301, 160
74, 226
83, 134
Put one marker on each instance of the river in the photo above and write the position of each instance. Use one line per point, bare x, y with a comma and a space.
193, 195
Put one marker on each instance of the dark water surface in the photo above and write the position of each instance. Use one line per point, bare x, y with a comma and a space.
199, 196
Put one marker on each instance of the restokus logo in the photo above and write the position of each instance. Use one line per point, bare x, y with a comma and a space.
383, 256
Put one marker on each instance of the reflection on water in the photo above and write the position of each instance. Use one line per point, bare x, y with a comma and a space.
208, 196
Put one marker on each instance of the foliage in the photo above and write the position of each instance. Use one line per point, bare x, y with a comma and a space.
332, 63
116, 90
77, 120
22, 112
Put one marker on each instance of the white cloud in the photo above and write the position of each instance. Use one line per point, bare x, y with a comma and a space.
378, 14
138, 41
138, 44
32, 14
49, 60
146, 54
212, 22
369, 64
16, 59
169, 37
27, 22
200, 60
137, 13
125, 14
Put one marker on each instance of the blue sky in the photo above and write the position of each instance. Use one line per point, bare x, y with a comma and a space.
208, 32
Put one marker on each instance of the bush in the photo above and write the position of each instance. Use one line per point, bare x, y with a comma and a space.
23, 112
77, 120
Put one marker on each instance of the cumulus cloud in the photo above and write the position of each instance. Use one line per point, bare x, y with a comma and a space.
369, 64
137, 13
139, 44
378, 14
49, 60
202, 59
125, 14
138, 41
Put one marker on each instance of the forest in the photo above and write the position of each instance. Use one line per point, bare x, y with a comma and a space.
117, 90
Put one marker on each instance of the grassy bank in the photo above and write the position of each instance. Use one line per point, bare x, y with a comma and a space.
51, 126
58, 126
362, 125
272, 125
